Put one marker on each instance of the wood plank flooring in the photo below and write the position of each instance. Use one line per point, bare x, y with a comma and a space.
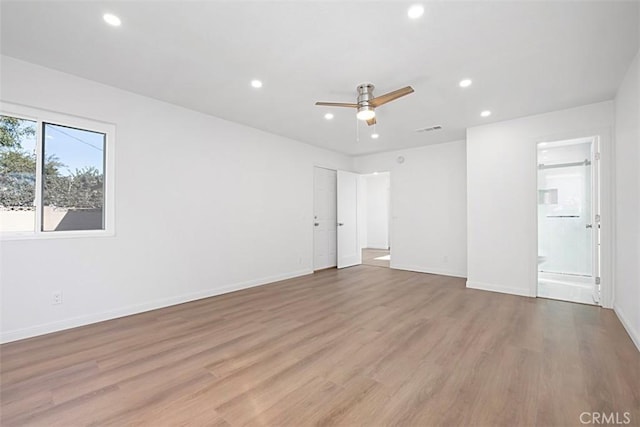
362, 346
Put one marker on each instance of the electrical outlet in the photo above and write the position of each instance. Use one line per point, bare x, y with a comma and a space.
57, 298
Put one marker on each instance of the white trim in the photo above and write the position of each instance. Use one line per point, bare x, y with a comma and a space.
633, 334
74, 322
429, 270
39, 181
498, 288
607, 212
41, 116
46, 235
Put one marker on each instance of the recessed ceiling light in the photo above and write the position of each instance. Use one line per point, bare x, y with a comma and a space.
375, 136
328, 116
111, 19
465, 83
256, 83
415, 11
485, 113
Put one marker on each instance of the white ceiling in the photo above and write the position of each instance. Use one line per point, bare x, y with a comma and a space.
524, 58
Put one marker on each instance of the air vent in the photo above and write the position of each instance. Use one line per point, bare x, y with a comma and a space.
429, 129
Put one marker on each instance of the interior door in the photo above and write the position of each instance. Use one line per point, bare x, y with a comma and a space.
324, 219
347, 195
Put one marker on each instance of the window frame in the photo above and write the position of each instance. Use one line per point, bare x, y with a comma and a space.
41, 117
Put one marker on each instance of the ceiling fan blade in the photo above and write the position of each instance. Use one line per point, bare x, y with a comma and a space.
371, 121
337, 104
388, 97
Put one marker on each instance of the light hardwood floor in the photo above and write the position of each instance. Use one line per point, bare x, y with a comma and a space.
361, 346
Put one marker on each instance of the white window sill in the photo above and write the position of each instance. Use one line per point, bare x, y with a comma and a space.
47, 235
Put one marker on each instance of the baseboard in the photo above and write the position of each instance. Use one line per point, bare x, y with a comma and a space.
439, 271
378, 247
75, 322
633, 334
498, 288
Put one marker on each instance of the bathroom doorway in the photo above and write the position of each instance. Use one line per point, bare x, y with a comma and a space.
569, 220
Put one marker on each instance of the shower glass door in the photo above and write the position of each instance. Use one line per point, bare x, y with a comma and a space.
566, 237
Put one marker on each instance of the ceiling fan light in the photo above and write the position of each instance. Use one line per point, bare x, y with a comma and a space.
365, 113
111, 19
415, 11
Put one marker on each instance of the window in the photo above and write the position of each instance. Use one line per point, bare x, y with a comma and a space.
17, 174
55, 175
73, 179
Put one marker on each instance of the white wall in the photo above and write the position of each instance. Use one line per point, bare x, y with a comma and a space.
376, 199
203, 206
627, 266
428, 206
502, 194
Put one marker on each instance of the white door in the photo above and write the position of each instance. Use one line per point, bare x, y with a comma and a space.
348, 249
324, 218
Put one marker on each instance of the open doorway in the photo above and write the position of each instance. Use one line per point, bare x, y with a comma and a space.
350, 219
569, 220
375, 219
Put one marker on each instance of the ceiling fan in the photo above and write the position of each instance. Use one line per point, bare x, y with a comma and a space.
367, 103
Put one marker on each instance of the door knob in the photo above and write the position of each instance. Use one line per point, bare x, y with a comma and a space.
316, 224
588, 226
340, 224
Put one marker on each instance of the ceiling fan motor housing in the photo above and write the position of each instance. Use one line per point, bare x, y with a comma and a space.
365, 93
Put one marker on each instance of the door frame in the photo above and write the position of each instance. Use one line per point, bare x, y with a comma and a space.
604, 141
